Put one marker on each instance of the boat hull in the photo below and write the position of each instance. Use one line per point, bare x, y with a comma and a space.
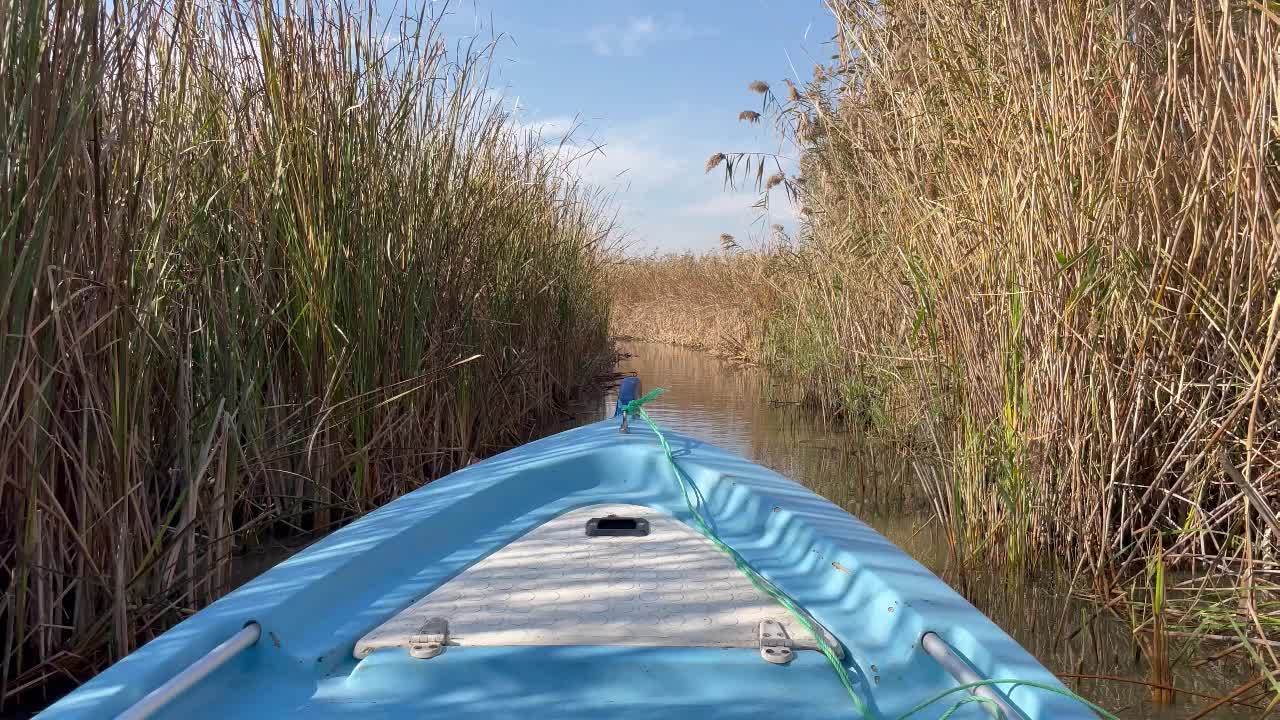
315, 606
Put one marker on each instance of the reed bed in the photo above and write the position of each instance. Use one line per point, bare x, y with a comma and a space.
1061, 223
716, 302
264, 266
1042, 247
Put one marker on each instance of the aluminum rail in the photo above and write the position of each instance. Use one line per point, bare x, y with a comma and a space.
960, 670
194, 673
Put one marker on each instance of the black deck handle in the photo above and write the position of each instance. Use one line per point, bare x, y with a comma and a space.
615, 525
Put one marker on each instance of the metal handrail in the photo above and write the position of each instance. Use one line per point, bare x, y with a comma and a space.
960, 670
194, 673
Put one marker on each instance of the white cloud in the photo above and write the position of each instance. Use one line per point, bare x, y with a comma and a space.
630, 160
626, 161
551, 129
634, 37
640, 33
724, 204
655, 175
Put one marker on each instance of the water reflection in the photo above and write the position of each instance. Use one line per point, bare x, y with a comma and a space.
745, 411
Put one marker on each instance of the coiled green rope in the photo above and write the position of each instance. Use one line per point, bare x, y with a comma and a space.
635, 408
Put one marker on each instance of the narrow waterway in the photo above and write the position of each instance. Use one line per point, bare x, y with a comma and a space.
748, 412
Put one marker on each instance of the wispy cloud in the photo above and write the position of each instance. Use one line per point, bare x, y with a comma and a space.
632, 163
721, 205
551, 130
616, 160
635, 36
655, 174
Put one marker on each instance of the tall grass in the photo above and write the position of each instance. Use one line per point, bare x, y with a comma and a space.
263, 266
714, 302
1067, 217
1043, 239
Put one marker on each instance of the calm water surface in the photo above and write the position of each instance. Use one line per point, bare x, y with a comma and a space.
746, 411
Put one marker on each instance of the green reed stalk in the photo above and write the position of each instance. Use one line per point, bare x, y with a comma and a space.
263, 266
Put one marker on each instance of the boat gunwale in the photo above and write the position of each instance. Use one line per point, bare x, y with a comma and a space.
836, 566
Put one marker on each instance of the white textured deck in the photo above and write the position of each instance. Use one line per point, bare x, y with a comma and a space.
557, 586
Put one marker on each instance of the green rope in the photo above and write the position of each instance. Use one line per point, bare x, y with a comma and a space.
635, 408
1013, 684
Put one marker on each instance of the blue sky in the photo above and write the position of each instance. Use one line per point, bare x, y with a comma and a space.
659, 86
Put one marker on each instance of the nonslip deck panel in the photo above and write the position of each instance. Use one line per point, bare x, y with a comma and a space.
558, 586
315, 606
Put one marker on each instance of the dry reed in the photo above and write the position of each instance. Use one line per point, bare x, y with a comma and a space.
715, 302
1044, 239
1065, 218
